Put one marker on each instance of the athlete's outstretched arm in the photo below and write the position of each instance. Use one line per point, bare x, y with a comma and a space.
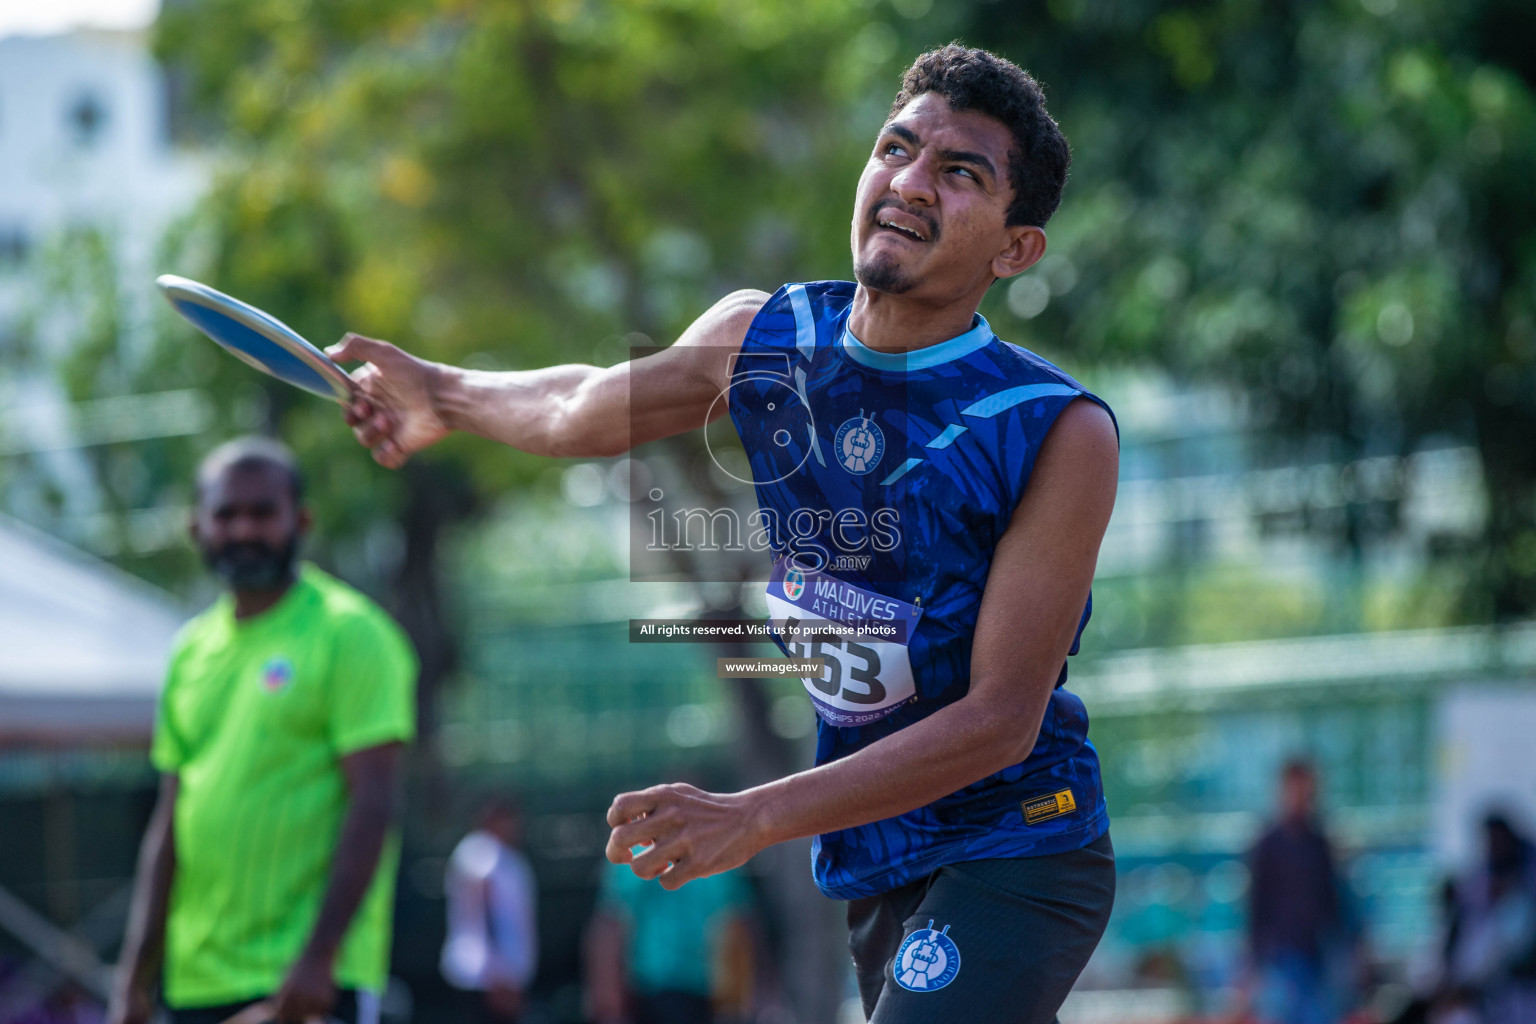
405, 404
1034, 598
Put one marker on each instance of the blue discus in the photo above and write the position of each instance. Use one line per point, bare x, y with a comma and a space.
256, 338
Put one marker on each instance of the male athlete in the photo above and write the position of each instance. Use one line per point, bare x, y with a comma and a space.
956, 801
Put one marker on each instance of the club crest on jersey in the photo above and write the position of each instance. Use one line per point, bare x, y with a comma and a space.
276, 674
859, 444
927, 961
794, 584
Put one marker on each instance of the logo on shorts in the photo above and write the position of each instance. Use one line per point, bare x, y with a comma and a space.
859, 445
794, 584
276, 674
927, 961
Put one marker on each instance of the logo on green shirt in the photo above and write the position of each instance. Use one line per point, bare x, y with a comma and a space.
276, 674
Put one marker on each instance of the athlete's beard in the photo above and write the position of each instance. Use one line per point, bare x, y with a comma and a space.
252, 565
885, 273
882, 274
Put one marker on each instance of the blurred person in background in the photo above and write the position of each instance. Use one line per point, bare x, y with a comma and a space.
669, 957
1492, 949
267, 871
492, 948
1298, 927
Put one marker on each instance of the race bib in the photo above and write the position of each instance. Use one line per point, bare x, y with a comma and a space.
862, 635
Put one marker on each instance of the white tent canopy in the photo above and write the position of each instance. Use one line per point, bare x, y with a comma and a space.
82, 644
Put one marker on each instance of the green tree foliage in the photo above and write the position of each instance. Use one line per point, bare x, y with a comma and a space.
501, 185
1327, 203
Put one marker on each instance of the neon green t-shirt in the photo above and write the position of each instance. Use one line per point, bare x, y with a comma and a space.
254, 720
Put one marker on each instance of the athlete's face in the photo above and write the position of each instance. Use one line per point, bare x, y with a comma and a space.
931, 216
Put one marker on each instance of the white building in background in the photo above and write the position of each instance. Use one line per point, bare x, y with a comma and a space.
85, 143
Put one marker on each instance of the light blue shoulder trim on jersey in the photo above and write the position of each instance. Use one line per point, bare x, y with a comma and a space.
805, 324
990, 406
919, 359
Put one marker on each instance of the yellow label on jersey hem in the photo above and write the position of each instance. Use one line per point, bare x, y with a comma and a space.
1043, 808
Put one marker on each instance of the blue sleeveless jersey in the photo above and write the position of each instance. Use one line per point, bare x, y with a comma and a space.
884, 483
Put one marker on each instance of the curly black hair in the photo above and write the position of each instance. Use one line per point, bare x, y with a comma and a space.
978, 80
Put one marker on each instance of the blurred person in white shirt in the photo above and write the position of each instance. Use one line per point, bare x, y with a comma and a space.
491, 951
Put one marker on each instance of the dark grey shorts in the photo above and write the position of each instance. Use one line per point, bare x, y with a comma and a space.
351, 1007
983, 941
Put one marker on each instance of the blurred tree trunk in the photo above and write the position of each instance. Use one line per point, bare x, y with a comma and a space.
808, 928
1507, 574
438, 495
812, 955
